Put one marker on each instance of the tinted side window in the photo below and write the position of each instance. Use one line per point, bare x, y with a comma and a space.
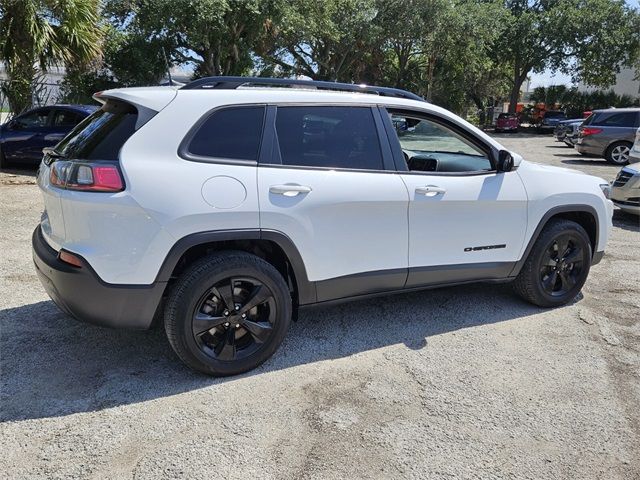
622, 119
233, 133
332, 137
102, 134
65, 118
34, 119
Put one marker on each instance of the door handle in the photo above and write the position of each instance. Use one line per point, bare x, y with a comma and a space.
430, 190
291, 190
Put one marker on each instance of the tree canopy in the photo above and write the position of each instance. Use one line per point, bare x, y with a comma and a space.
41, 33
452, 52
587, 39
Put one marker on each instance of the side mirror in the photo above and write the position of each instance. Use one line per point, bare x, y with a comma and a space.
505, 161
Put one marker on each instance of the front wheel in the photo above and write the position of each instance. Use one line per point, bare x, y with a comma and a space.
557, 265
227, 313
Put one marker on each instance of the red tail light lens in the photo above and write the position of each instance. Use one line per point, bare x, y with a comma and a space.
86, 176
585, 131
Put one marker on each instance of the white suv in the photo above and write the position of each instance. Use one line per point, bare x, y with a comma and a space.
224, 206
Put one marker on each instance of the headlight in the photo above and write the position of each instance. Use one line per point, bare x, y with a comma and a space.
606, 189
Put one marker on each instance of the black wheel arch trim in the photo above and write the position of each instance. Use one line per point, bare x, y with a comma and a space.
306, 290
577, 208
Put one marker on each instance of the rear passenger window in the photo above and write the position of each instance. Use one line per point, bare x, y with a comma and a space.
232, 133
331, 137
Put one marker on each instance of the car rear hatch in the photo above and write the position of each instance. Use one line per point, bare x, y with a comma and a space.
87, 159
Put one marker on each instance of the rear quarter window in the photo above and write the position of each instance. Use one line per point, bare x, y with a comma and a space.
619, 119
232, 133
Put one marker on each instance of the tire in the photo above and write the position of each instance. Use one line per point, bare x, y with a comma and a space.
3, 161
541, 274
618, 153
233, 344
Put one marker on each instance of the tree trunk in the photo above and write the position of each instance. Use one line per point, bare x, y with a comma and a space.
514, 96
518, 78
430, 71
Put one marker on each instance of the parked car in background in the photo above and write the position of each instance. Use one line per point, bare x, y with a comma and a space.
634, 153
609, 133
567, 130
507, 122
23, 137
550, 119
625, 189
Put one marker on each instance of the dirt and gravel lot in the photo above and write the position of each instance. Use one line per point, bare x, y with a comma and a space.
465, 382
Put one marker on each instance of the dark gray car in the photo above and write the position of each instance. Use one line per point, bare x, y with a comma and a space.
609, 134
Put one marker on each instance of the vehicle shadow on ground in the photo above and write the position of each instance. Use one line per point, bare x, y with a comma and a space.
626, 221
514, 135
54, 366
576, 159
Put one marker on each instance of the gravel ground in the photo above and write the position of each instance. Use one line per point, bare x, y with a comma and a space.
465, 382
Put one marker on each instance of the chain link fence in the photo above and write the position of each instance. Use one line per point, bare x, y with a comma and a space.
42, 93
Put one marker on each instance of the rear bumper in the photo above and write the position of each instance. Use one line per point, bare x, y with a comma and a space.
80, 293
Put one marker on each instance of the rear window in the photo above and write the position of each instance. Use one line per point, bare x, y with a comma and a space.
102, 134
554, 114
232, 133
506, 115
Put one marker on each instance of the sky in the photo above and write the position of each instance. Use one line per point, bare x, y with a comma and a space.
548, 77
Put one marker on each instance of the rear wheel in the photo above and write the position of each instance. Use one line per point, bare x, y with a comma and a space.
618, 153
557, 266
227, 313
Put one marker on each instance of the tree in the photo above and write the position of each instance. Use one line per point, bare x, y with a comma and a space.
216, 36
440, 49
39, 33
587, 39
324, 40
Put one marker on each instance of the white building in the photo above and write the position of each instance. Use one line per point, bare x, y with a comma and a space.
626, 84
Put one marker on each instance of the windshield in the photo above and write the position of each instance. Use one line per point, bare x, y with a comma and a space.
554, 114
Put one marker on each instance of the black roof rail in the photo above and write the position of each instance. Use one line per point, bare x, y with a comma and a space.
232, 83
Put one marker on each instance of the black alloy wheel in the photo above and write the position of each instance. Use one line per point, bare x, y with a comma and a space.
557, 266
234, 318
227, 313
562, 265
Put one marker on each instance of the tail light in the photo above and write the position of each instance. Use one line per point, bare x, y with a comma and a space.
86, 176
586, 131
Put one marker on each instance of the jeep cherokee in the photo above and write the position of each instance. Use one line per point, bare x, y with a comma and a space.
223, 207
